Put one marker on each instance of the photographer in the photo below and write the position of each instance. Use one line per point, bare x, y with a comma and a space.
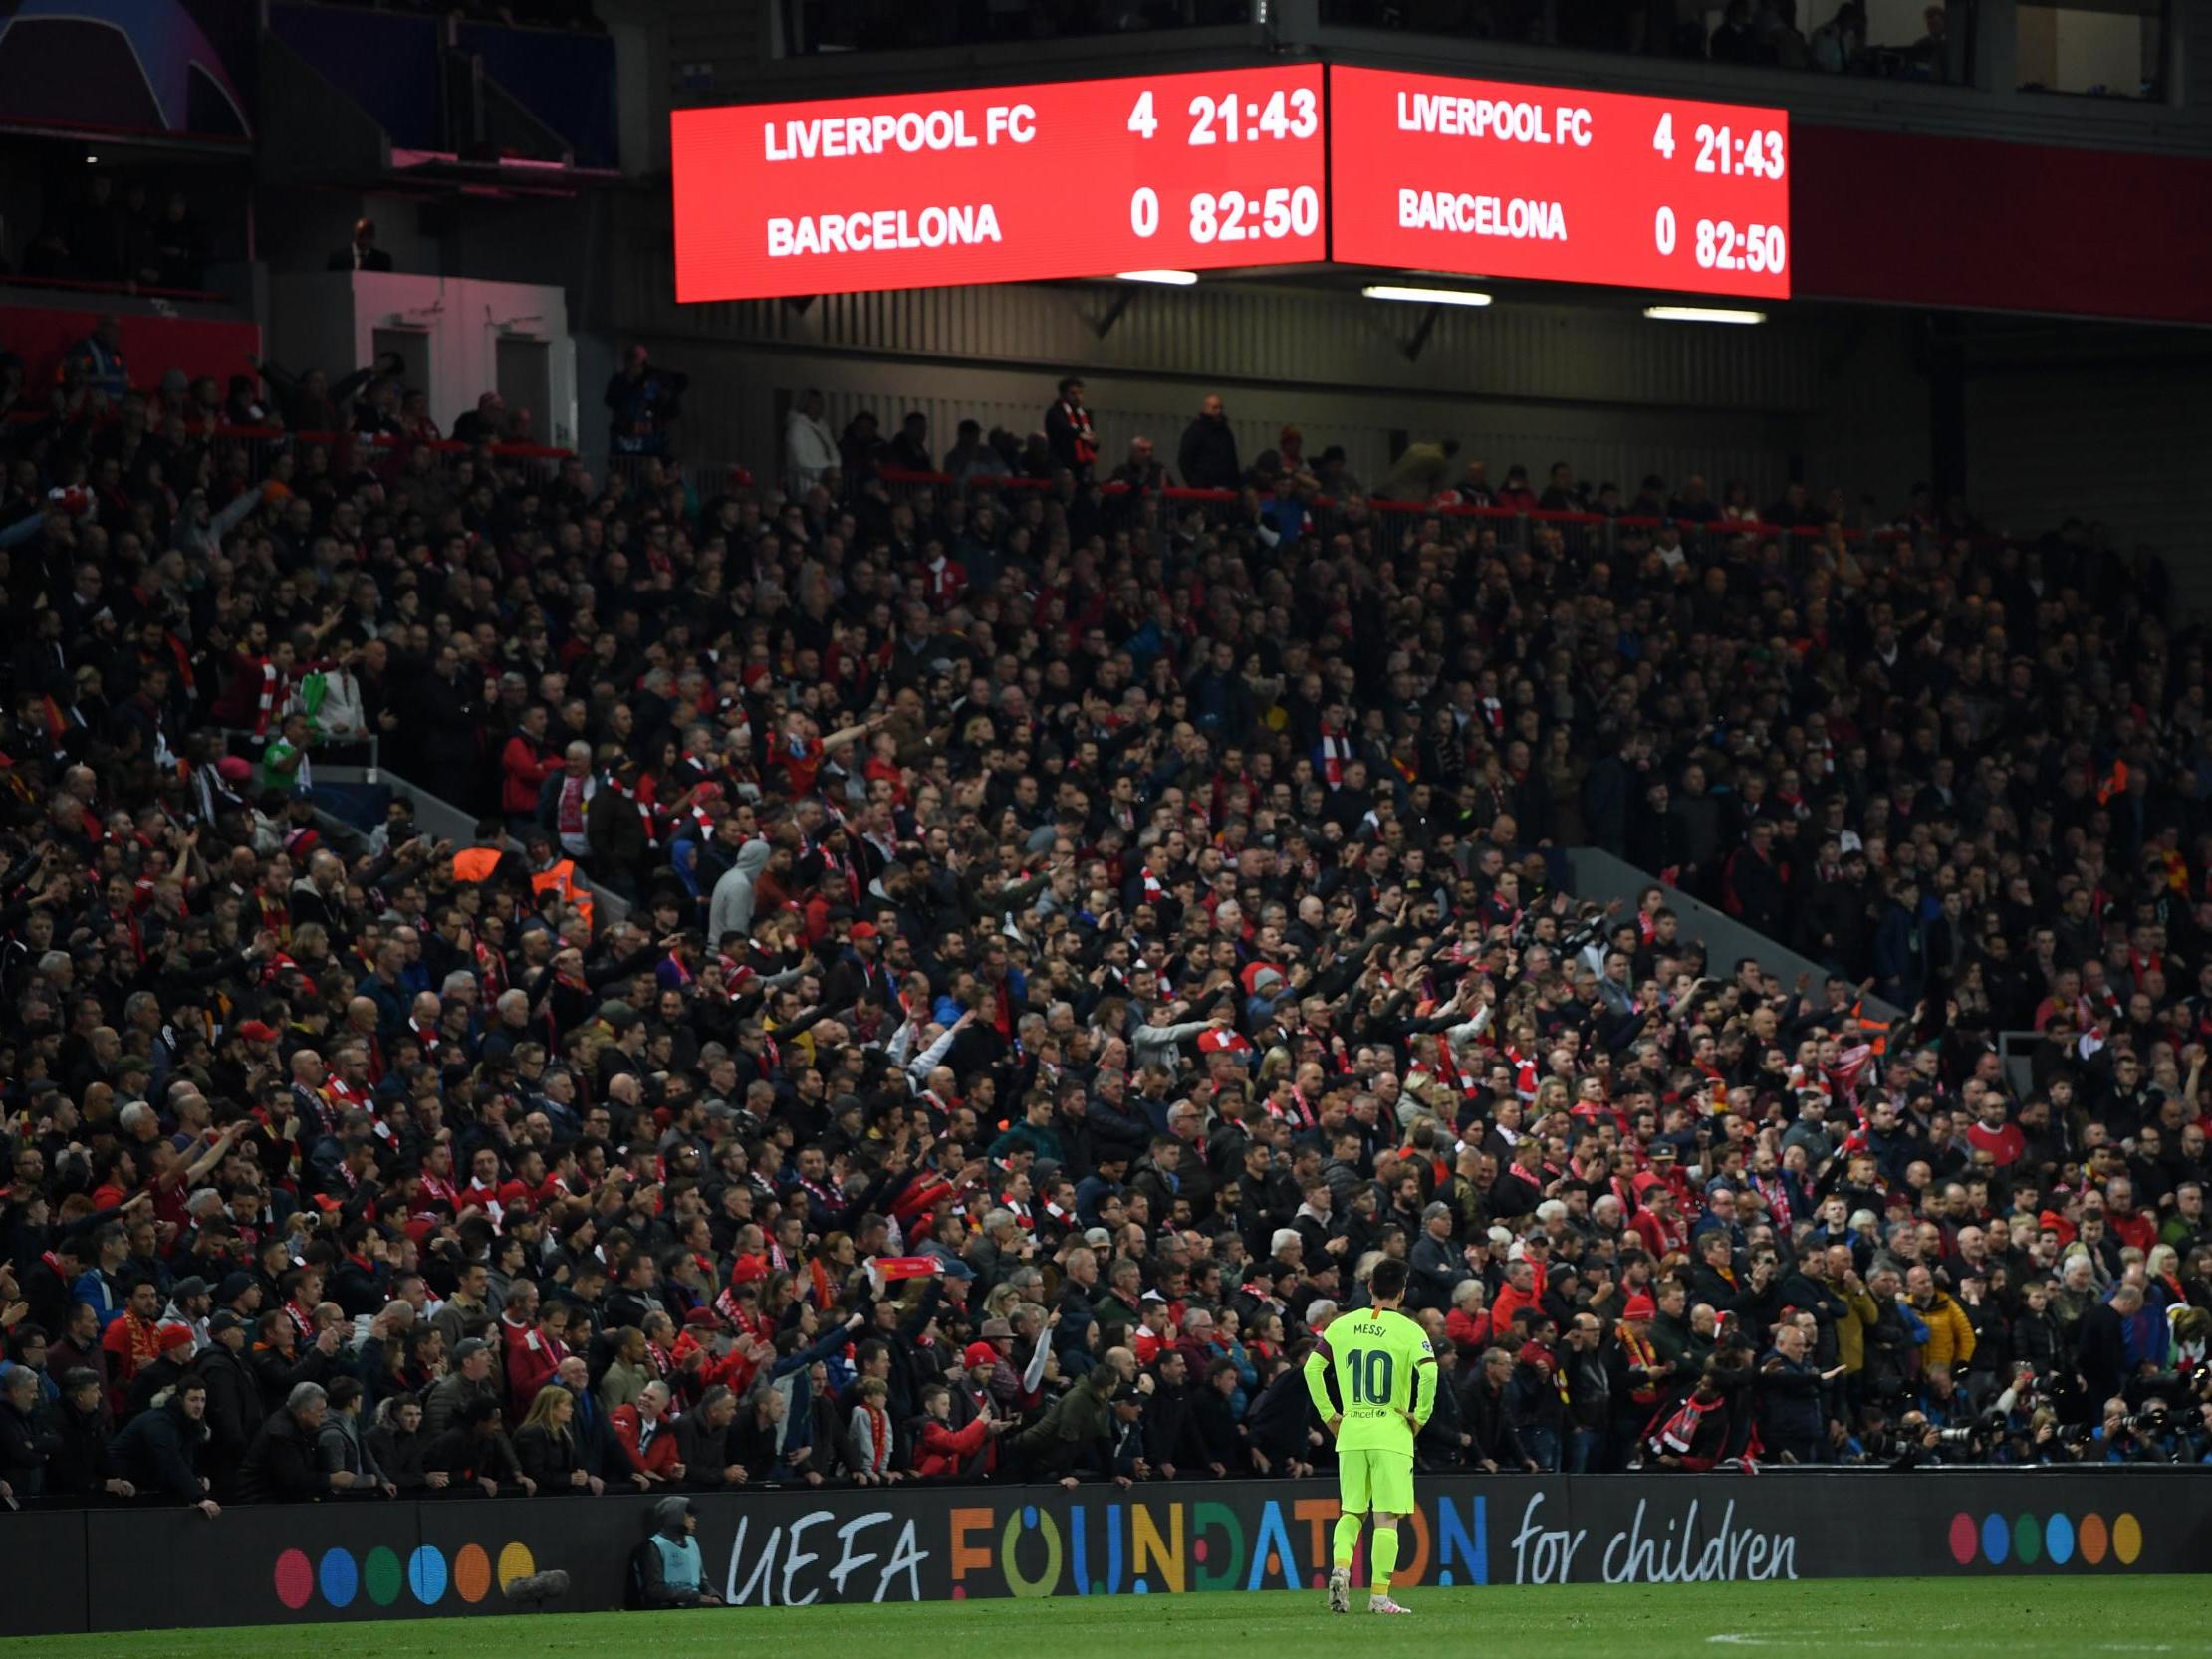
2159, 1433
2117, 1438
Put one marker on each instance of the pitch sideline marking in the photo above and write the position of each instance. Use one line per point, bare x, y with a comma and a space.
1741, 1638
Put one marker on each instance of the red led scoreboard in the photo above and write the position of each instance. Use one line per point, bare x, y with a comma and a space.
1234, 167
1074, 178
1498, 179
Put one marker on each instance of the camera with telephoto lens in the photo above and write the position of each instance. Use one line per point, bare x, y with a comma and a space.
1979, 1432
2151, 1420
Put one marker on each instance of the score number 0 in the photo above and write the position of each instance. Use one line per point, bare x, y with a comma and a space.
1763, 249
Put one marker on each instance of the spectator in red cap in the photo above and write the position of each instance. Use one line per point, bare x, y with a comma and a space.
1637, 1378
172, 1362
861, 971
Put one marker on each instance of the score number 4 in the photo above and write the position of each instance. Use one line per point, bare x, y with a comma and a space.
1216, 119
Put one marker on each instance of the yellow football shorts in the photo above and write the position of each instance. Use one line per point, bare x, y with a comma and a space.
1374, 1478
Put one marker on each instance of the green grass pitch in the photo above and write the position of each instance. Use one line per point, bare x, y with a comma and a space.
1958, 1618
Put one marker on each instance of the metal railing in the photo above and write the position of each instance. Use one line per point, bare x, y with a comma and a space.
1600, 877
248, 745
442, 821
1396, 522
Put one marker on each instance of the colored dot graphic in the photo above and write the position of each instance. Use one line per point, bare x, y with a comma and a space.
472, 1572
295, 1579
1996, 1539
2127, 1540
2094, 1540
426, 1576
515, 1563
381, 1576
338, 1579
2058, 1539
2026, 1540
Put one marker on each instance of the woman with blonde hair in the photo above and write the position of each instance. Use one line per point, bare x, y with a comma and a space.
546, 1449
2162, 1274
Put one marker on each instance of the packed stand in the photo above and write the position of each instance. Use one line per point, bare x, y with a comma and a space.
1074, 933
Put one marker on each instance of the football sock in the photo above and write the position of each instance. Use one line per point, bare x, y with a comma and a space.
1383, 1554
1348, 1538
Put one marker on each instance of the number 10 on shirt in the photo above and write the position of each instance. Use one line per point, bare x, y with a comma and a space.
1370, 1375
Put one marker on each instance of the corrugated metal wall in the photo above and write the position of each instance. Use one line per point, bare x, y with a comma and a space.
2126, 442
1594, 382
1602, 443
1615, 398
1265, 332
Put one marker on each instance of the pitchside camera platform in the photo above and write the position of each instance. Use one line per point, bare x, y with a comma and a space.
1230, 168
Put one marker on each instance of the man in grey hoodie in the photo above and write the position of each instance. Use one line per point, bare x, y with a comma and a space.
730, 910
339, 1444
667, 1568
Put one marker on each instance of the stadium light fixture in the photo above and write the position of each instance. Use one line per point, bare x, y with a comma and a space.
1166, 279
1702, 313
1425, 296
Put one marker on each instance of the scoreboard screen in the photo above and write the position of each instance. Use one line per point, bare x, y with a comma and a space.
1071, 178
1284, 165
1500, 179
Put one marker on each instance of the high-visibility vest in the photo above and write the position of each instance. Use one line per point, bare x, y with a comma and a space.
561, 878
475, 863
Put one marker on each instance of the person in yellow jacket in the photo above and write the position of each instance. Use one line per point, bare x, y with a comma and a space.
1950, 1333
1840, 1278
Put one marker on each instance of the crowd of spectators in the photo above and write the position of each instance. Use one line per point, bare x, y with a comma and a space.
1070, 936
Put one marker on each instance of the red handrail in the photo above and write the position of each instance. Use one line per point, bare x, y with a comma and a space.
1377, 504
373, 440
123, 290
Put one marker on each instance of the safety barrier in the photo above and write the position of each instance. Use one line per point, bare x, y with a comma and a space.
263, 446
1395, 524
261, 449
368, 1559
1602, 878
1391, 525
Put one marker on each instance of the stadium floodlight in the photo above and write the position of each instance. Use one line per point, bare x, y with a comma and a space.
1425, 296
1167, 279
1702, 313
